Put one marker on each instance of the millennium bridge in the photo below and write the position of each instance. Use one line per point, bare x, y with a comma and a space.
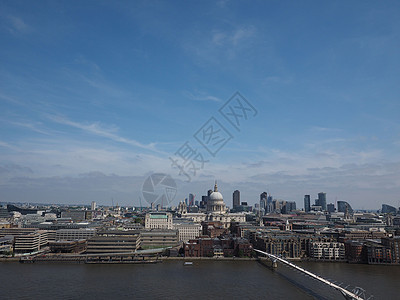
355, 294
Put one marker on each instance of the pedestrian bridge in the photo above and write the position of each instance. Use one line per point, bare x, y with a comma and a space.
356, 294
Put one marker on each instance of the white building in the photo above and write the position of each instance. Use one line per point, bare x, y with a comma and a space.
327, 250
187, 230
158, 220
215, 203
216, 211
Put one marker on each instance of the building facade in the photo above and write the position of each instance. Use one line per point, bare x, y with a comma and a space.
307, 203
327, 251
187, 231
236, 199
158, 220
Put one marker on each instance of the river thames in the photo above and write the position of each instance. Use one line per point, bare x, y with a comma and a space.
203, 280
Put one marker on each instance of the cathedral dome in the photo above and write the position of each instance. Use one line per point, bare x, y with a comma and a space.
215, 203
216, 196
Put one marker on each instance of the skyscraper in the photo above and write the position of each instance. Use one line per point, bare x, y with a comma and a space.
322, 200
263, 200
236, 199
191, 199
269, 206
330, 207
203, 203
263, 203
343, 205
307, 203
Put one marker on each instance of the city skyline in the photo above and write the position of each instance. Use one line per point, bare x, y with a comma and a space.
93, 101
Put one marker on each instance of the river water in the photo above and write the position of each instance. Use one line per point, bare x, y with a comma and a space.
203, 280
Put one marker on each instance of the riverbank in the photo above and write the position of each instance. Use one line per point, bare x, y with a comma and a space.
210, 258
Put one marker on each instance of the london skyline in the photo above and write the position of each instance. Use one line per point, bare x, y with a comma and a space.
93, 101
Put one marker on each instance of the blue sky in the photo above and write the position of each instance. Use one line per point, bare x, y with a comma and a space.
97, 95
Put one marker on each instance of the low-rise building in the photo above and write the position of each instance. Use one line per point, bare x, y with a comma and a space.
76, 215
31, 242
158, 220
218, 247
158, 238
327, 251
114, 241
6, 244
356, 252
74, 234
186, 230
68, 246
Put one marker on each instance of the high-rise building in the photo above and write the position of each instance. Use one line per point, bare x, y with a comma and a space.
263, 195
330, 207
263, 200
269, 206
203, 202
288, 207
93, 206
322, 200
307, 203
388, 209
342, 206
191, 199
236, 199
263, 203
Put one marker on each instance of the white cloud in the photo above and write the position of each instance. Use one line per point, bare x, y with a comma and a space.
18, 25
97, 129
31, 126
242, 34
200, 96
234, 37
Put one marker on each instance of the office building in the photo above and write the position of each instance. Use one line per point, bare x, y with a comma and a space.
74, 234
158, 220
236, 199
330, 207
388, 209
31, 242
191, 200
158, 238
322, 200
114, 241
288, 207
186, 230
307, 203
344, 207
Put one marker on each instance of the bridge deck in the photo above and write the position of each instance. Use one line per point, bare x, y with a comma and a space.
347, 294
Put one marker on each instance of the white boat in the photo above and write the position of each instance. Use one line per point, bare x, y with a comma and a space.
188, 263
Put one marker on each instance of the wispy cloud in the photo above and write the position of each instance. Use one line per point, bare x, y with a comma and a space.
97, 129
16, 24
199, 96
324, 129
10, 99
30, 126
219, 45
8, 146
233, 37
